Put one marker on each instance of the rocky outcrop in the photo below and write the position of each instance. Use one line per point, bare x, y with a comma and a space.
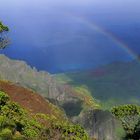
42, 82
99, 124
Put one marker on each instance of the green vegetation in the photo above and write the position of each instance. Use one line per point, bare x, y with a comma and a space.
81, 90
3, 28
17, 123
129, 115
4, 40
85, 102
112, 84
85, 95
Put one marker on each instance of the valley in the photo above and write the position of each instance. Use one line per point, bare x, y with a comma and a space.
76, 103
112, 84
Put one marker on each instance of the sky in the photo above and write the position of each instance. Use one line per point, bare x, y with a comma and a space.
55, 30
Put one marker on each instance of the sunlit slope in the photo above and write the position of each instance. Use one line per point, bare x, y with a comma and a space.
114, 83
71, 100
30, 100
77, 102
26, 115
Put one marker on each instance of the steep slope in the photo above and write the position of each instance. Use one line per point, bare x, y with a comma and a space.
76, 102
42, 82
30, 100
16, 123
116, 83
100, 123
95, 121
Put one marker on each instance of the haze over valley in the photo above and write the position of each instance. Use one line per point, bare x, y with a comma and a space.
69, 70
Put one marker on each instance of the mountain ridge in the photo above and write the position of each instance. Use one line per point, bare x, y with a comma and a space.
63, 95
110, 84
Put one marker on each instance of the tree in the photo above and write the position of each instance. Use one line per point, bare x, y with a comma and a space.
4, 40
129, 115
16, 123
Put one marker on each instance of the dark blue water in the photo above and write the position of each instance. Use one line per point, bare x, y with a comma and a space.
48, 35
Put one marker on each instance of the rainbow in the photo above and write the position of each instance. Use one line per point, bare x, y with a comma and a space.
118, 42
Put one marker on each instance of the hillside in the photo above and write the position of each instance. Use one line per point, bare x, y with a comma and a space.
77, 103
116, 83
36, 104
30, 100
42, 82
18, 123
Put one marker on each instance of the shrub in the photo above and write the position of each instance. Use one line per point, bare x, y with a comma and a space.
6, 134
129, 115
4, 98
18, 124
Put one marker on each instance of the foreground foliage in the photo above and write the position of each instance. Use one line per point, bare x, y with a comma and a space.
17, 124
3, 28
129, 115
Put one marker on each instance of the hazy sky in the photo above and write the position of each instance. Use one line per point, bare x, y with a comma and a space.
45, 29
127, 9
107, 3
124, 7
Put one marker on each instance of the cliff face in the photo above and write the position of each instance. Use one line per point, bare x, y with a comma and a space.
97, 123
42, 82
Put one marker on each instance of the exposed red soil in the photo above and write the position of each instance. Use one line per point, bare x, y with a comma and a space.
28, 99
